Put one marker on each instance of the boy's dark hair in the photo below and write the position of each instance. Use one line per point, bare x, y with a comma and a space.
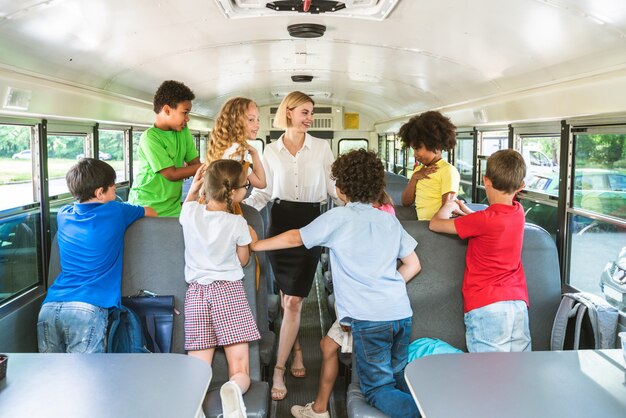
359, 175
171, 93
87, 175
506, 169
431, 129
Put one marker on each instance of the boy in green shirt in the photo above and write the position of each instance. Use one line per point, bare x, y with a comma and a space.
167, 152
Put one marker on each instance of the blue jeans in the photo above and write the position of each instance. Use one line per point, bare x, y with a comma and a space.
501, 326
72, 327
381, 352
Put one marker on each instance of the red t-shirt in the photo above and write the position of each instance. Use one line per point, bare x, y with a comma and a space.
493, 265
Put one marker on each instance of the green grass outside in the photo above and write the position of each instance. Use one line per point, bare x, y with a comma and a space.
13, 171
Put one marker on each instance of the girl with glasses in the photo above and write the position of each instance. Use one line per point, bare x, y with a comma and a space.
217, 312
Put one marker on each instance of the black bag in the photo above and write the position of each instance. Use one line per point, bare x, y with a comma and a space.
156, 313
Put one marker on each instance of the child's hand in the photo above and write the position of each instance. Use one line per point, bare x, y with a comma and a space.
463, 209
424, 172
253, 151
198, 180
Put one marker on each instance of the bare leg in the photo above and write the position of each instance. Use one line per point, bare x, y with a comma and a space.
292, 306
206, 355
328, 373
238, 359
297, 362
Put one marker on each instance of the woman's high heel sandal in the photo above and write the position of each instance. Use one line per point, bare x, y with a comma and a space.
298, 371
278, 394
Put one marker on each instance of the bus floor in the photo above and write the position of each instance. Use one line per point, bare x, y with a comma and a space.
314, 324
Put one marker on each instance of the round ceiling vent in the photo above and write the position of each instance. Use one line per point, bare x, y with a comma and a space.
306, 30
301, 78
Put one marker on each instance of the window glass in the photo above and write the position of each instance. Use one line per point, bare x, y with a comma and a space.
463, 162
600, 174
541, 155
390, 152
16, 167
382, 149
493, 141
594, 246
63, 151
203, 148
136, 138
346, 145
541, 214
112, 151
256, 143
19, 258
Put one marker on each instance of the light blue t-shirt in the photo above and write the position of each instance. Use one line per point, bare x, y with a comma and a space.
365, 244
91, 245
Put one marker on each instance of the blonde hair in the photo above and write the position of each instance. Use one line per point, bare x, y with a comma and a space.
230, 129
291, 101
221, 178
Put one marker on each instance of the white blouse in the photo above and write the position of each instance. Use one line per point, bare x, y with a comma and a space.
304, 177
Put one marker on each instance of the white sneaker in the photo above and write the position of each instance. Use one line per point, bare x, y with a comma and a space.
232, 401
307, 411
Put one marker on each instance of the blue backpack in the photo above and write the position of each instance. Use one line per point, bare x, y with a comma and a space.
125, 332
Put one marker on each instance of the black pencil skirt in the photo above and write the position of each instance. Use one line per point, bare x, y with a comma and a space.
294, 268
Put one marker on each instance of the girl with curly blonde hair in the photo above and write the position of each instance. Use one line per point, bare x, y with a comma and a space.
236, 123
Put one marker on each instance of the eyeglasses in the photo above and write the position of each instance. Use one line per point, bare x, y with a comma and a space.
246, 186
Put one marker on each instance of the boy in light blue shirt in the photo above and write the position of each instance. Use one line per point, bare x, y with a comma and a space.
365, 244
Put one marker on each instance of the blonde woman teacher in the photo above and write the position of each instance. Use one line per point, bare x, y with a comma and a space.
297, 170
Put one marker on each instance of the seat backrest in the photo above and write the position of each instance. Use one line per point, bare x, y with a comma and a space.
154, 259
436, 296
395, 185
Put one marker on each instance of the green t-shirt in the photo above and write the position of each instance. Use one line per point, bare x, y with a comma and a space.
159, 149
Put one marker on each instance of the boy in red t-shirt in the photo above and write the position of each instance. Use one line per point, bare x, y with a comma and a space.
494, 286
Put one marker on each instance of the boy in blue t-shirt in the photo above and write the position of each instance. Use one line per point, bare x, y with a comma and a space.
73, 317
365, 244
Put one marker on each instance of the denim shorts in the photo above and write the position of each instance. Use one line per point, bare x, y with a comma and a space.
72, 327
500, 326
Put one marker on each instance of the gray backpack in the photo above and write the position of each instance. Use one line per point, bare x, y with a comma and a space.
584, 321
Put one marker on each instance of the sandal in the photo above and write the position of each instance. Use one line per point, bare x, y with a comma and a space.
298, 372
278, 394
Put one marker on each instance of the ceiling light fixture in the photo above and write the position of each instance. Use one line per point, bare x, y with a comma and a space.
306, 30
301, 78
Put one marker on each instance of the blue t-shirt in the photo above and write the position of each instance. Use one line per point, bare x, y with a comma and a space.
365, 244
91, 245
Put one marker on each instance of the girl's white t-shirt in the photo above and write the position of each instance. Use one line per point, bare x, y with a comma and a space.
211, 240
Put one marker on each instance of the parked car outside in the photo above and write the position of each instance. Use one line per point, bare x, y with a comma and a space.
22, 155
613, 281
595, 189
104, 156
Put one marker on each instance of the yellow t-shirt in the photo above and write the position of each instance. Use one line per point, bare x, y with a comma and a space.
428, 191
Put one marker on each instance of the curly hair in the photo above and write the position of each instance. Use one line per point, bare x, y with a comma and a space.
171, 93
221, 178
359, 175
229, 129
291, 101
88, 175
431, 129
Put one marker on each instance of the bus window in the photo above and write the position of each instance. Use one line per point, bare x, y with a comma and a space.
111, 145
63, 151
19, 258
136, 138
464, 155
16, 174
541, 192
349, 144
598, 198
493, 141
204, 139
